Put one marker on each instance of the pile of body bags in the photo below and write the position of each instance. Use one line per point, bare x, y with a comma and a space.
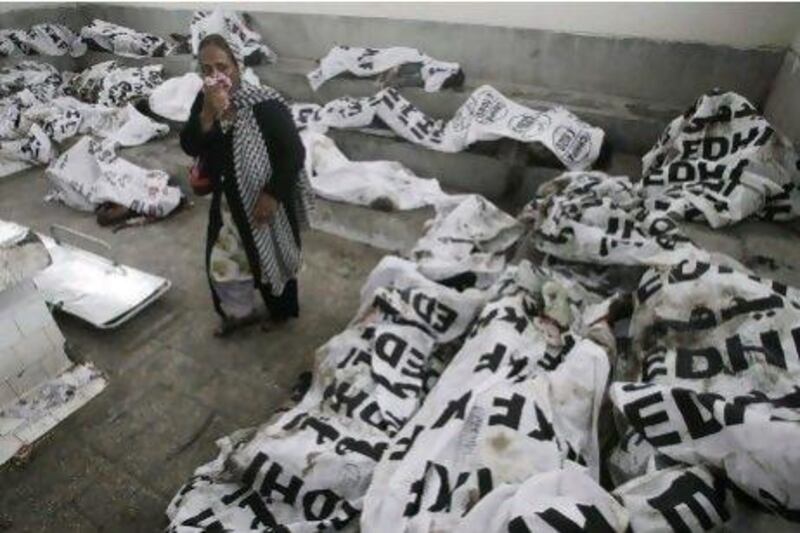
598, 371
50, 39
44, 111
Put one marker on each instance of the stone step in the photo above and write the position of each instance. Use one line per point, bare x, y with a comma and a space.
61, 63
497, 178
176, 65
494, 169
491, 173
631, 125
393, 231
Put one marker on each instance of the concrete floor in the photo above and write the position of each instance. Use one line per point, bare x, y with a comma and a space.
173, 388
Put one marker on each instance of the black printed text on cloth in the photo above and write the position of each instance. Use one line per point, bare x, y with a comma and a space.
519, 400
110, 84
41, 39
468, 235
717, 382
245, 42
487, 115
365, 62
123, 41
42, 79
722, 162
592, 217
678, 498
25, 143
35, 116
90, 173
310, 466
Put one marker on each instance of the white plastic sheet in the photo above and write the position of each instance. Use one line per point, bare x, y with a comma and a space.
45, 39
592, 217
722, 162
717, 376
91, 173
369, 183
123, 41
365, 62
110, 84
679, 498
468, 235
487, 115
519, 399
231, 26
173, 99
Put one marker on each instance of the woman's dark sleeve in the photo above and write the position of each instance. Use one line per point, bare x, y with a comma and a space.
286, 152
194, 140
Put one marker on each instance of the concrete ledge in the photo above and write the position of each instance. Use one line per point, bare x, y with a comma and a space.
394, 231
173, 65
65, 13
462, 172
61, 63
657, 71
631, 125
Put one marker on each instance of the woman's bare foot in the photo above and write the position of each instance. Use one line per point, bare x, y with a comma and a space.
229, 325
270, 324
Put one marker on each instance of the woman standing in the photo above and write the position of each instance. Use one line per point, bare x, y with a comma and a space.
247, 144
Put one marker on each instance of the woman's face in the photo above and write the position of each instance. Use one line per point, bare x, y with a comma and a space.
214, 60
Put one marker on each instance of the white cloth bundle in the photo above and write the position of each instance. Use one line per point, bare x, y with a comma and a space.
310, 465
41, 39
722, 162
28, 127
244, 41
365, 62
718, 374
518, 400
487, 115
468, 235
109, 84
173, 99
123, 41
591, 217
91, 173
41, 79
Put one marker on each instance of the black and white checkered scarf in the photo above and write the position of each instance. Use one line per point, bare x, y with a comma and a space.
279, 255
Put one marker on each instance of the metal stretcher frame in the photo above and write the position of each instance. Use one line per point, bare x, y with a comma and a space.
94, 288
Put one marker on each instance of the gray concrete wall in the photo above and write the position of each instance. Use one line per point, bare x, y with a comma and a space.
783, 105
660, 71
22, 16
734, 24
